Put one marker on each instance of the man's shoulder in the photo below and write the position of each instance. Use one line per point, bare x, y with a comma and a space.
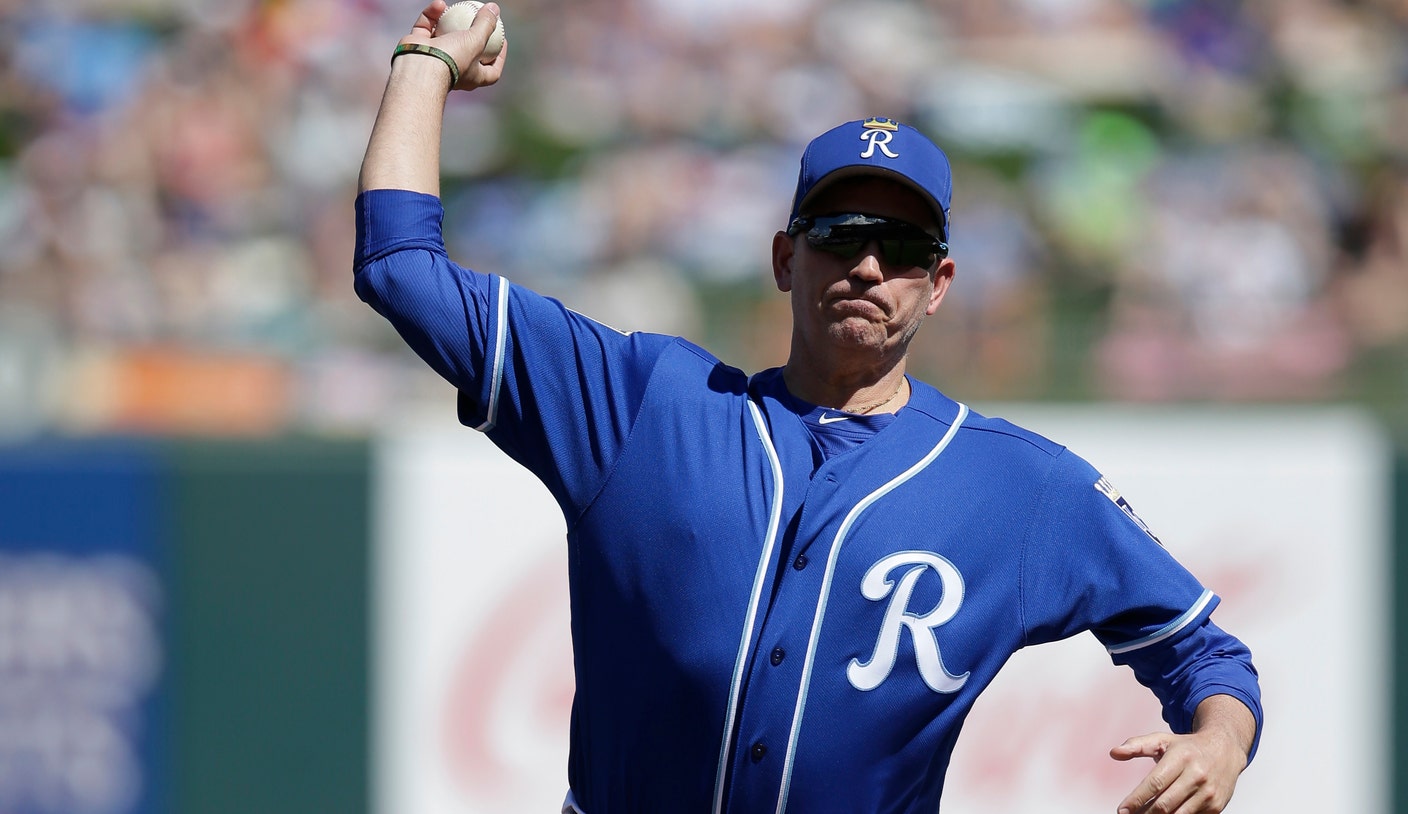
1013, 447
988, 430
682, 366
1001, 430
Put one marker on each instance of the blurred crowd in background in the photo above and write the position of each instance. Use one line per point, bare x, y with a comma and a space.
1156, 201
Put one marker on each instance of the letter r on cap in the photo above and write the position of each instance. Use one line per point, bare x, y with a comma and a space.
878, 139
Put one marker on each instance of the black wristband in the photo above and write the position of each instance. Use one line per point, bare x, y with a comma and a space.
430, 51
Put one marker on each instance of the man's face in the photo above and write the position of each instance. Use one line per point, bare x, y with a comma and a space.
859, 304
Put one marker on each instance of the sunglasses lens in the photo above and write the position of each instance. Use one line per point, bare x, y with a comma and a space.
841, 247
901, 244
908, 253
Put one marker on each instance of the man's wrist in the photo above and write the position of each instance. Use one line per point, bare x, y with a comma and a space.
1228, 717
423, 63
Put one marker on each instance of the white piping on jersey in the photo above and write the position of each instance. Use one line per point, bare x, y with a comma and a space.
497, 364
1165, 631
831, 558
745, 645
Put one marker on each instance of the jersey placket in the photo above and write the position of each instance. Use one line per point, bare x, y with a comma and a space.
837, 496
773, 685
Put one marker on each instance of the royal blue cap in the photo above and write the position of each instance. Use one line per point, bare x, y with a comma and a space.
877, 146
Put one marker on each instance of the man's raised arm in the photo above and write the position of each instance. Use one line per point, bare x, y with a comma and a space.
404, 149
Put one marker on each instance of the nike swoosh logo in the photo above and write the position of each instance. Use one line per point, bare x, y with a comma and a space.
827, 418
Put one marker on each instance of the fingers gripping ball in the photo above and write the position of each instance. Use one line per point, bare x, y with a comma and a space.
458, 18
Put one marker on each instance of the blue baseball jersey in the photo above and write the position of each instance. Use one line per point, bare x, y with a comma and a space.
755, 628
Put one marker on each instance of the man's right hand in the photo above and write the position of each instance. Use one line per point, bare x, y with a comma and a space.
465, 46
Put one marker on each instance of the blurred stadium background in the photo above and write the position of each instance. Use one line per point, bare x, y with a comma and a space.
1167, 206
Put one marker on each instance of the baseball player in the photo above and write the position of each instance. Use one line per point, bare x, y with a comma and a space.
788, 589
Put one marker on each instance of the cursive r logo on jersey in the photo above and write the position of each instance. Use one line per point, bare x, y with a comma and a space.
876, 585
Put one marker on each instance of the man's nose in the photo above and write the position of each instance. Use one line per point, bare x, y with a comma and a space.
868, 264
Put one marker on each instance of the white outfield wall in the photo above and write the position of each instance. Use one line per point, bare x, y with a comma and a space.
1284, 512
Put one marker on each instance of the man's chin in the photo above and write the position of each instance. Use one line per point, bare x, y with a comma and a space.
857, 333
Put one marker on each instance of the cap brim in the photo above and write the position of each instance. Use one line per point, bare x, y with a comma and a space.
873, 171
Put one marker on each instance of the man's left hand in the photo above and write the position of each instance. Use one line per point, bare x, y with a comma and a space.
1194, 773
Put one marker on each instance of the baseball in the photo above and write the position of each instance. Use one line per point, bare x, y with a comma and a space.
458, 17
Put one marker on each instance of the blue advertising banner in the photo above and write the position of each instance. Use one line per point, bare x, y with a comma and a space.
82, 643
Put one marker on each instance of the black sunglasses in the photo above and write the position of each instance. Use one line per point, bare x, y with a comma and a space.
901, 243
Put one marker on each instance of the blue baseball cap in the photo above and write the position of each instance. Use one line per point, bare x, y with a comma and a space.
881, 147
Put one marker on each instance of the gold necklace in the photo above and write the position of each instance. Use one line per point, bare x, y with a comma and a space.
866, 408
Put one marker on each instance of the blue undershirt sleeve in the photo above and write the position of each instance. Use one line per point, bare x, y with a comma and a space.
1207, 661
402, 271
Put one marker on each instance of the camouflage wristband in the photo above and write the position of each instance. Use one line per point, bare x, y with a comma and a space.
429, 50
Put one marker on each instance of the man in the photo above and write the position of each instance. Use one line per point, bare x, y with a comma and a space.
788, 589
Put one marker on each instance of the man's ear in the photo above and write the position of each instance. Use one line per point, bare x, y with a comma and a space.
784, 252
943, 278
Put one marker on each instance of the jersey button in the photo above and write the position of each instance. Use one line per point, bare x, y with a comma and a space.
800, 562
758, 751
778, 654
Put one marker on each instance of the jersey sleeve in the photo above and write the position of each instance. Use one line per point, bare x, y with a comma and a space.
555, 390
1090, 563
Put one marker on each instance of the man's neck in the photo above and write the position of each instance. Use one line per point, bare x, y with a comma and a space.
882, 391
